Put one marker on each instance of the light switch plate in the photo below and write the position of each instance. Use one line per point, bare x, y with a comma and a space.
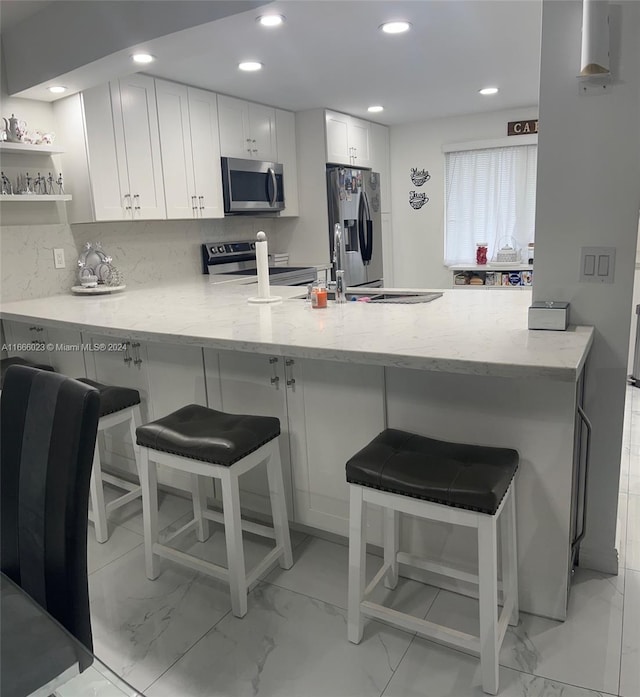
597, 264
58, 258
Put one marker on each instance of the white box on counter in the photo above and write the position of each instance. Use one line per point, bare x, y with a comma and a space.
549, 314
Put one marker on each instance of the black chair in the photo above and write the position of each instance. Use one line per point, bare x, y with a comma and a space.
48, 426
6, 363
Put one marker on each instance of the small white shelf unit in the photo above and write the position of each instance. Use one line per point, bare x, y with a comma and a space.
490, 277
28, 149
35, 198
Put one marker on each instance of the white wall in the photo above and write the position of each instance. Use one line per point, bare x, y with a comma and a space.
418, 235
588, 194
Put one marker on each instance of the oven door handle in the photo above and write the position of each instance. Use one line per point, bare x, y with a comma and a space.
274, 186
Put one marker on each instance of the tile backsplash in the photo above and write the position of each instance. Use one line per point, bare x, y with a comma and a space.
146, 252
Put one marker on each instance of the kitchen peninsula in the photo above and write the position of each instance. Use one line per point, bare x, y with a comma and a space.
463, 367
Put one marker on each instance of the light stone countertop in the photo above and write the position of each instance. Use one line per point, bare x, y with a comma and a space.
473, 332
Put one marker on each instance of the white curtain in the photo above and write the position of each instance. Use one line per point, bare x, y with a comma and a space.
490, 197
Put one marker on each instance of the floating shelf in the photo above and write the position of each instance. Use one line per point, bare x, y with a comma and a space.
26, 148
35, 198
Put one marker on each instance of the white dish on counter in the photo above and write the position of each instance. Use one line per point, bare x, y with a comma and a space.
96, 290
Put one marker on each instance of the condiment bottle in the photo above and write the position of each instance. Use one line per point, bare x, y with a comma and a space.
319, 295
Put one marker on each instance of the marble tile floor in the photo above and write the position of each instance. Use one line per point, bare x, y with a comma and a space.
176, 636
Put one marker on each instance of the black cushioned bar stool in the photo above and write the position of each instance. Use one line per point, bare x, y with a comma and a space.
467, 485
209, 443
117, 405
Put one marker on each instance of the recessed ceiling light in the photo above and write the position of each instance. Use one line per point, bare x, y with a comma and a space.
271, 20
250, 66
395, 27
488, 90
57, 89
142, 58
373, 109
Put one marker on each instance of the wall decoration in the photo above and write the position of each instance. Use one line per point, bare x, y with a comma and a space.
416, 200
522, 128
419, 176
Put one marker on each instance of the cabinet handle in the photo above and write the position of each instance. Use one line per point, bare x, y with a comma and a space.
39, 329
201, 199
255, 150
249, 140
127, 206
273, 360
248, 149
254, 140
291, 382
32, 329
136, 352
127, 358
289, 361
137, 206
275, 380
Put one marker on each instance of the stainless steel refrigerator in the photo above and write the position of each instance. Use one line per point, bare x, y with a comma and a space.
354, 202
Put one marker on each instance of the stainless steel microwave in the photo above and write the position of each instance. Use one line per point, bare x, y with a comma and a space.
251, 186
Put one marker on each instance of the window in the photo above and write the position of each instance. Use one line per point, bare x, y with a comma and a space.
490, 197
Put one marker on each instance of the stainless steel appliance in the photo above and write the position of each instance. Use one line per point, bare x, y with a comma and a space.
239, 259
354, 203
251, 186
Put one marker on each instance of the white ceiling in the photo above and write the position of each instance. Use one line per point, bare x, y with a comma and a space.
330, 53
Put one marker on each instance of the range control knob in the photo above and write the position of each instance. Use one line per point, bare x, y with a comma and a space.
221, 249
214, 250
253, 245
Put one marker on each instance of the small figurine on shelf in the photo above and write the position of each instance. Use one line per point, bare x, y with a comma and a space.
28, 180
7, 189
40, 185
59, 183
49, 184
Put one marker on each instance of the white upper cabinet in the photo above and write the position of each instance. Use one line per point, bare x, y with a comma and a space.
138, 146
188, 122
380, 163
247, 130
348, 140
116, 168
286, 137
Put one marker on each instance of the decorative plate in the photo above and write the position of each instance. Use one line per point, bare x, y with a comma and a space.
97, 290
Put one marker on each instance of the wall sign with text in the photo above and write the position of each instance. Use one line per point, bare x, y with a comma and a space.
521, 128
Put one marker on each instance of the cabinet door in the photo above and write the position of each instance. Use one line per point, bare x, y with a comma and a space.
203, 117
334, 410
359, 140
286, 138
137, 130
127, 368
176, 379
26, 340
337, 127
107, 162
175, 144
233, 117
254, 384
262, 130
66, 355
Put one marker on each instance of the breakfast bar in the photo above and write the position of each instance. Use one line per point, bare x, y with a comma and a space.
462, 368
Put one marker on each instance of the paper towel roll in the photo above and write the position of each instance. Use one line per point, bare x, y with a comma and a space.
262, 263
262, 260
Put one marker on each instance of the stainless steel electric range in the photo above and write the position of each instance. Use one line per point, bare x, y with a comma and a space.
239, 259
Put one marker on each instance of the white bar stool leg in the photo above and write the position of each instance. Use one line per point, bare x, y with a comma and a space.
509, 533
391, 545
488, 596
149, 484
99, 512
357, 562
233, 536
279, 506
199, 498
134, 422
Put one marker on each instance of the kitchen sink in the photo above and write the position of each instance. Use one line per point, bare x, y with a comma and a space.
389, 298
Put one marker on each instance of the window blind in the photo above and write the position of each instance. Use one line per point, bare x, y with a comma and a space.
490, 197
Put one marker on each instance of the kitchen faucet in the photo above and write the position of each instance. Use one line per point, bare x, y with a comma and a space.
338, 261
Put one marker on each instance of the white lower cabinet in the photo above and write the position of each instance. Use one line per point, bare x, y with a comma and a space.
248, 383
328, 411
334, 410
167, 376
59, 348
